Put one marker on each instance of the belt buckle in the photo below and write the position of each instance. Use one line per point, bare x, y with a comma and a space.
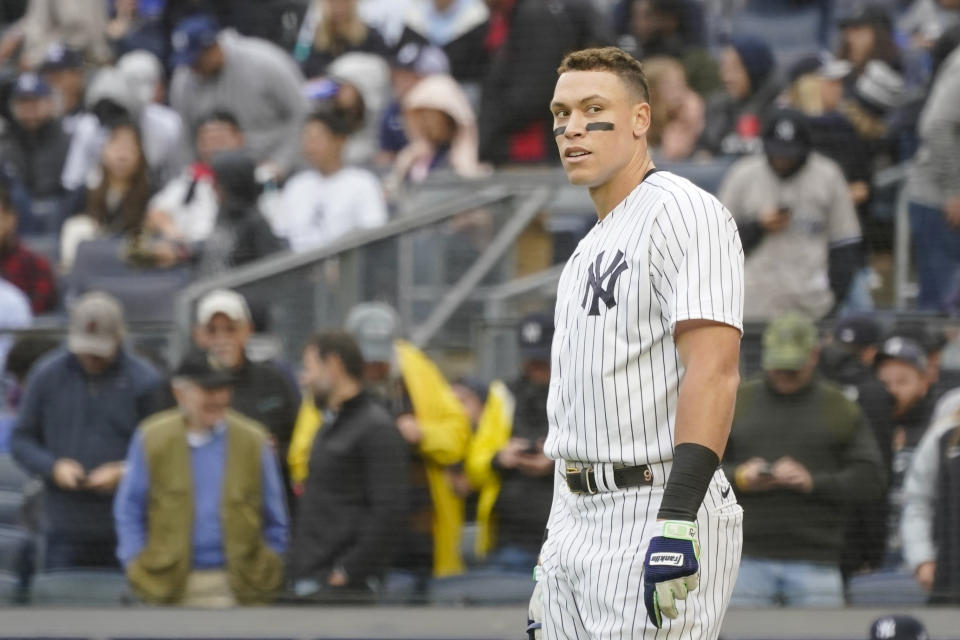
584, 480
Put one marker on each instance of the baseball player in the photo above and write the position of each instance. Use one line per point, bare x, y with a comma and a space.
644, 532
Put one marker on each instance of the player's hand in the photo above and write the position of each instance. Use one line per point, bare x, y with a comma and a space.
790, 474
68, 474
925, 574
535, 611
670, 569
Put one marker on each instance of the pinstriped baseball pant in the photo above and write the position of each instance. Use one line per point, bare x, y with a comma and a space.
592, 565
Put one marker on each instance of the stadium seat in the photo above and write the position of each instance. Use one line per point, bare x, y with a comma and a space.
884, 589
12, 477
45, 244
80, 587
12, 482
792, 29
146, 294
16, 563
706, 175
482, 587
147, 297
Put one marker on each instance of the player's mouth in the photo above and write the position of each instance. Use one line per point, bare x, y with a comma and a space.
573, 154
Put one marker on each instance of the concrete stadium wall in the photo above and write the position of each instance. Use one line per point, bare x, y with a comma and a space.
412, 623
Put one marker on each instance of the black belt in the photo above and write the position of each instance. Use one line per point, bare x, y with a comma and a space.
585, 480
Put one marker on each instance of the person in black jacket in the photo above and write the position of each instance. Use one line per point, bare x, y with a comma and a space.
241, 234
735, 115
464, 29
355, 496
35, 147
526, 474
898, 405
262, 391
527, 40
80, 408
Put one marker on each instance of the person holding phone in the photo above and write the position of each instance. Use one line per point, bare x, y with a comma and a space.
513, 458
800, 454
798, 225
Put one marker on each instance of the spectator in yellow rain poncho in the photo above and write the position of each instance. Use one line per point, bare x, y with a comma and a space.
429, 417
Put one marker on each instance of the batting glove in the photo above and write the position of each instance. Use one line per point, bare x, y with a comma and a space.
535, 610
670, 570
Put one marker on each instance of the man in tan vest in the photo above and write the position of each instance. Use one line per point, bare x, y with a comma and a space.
201, 516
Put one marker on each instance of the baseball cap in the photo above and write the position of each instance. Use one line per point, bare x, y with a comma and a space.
58, 57
879, 88
96, 325
787, 133
823, 63
197, 369
897, 628
905, 350
229, 303
872, 15
375, 326
857, 330
788, 342
192, 37
536, 336
30, 85
931, 337
423, 59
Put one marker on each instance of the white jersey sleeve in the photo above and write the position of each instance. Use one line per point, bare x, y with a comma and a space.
697, 260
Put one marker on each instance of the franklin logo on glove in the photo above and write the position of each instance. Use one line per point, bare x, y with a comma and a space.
671, 559
671, 569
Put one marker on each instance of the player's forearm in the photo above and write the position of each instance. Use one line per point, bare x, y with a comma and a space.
707, 394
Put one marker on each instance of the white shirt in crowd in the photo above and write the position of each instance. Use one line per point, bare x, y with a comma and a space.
318, 209
194, 219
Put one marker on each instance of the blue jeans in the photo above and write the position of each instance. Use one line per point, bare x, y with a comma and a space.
770, 583
936, 246
512, 560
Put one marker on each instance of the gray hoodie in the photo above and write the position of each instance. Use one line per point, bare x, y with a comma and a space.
261, 85
935, 174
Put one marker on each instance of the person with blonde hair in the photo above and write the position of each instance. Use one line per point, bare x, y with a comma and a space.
330, 29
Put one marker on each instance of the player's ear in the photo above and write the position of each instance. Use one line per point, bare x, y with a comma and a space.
641, 119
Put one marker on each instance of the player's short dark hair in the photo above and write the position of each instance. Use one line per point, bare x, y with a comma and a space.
612, 59
341, 344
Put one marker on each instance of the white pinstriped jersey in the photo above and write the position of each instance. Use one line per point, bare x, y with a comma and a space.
669, 252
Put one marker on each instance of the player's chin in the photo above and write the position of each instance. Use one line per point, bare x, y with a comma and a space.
579, 175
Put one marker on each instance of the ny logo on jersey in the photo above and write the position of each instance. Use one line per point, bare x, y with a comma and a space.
595, 279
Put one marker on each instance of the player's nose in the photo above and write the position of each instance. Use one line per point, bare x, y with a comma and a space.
576, 126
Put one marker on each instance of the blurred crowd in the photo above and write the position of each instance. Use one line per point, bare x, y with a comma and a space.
172, 140
189, 137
